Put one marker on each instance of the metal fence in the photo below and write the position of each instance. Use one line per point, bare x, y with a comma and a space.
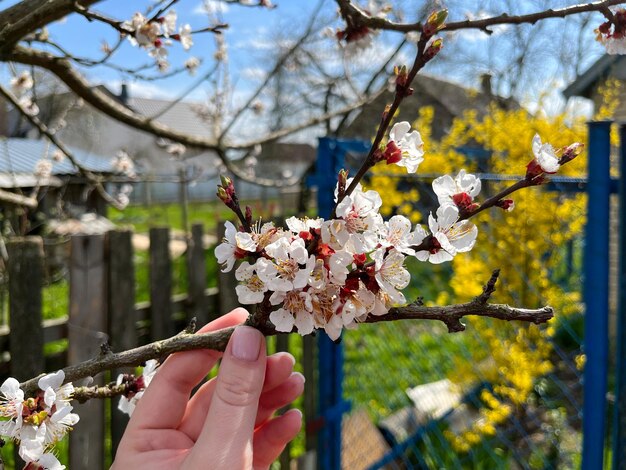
499, 395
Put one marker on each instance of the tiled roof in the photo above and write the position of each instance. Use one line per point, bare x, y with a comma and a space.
182, 116
19, 156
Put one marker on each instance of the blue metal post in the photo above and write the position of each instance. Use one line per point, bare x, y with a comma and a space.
331, 155
330, 355
619, 422
596, 296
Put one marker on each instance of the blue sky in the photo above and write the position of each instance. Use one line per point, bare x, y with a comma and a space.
252, 32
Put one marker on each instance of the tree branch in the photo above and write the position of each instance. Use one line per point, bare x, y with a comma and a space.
217, 340
27, 16
355, 16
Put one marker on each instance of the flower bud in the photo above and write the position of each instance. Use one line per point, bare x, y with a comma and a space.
506, 204
224, 196
435, 21
342, 180
402, 81
570, 152
433, 49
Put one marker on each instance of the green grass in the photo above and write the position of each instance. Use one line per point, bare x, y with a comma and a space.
141, 218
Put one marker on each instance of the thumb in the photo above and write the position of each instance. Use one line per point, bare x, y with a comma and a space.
227, 435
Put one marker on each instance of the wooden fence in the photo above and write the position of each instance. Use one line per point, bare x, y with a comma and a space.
102, 309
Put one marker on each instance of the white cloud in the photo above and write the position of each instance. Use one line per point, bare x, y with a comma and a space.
210, 7
253, 73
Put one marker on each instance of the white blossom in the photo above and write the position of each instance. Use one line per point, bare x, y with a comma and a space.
127, 404
48, 461
359, 303
396, 233
297, 225
411, 145
22, 83
451, 236
122, 163
283, 272
356, 232
43, 169
11, 404
29, 106
235, 245
192, 65
176, 149
58, 156
185, 37
613, 45
252, 288
446, 187
391, 274
169, 23
545, 155
295, 311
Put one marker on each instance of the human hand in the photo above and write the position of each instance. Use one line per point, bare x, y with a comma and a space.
228, 423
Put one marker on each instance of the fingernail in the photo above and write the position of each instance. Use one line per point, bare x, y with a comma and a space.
295, 411
246, 343
298, 374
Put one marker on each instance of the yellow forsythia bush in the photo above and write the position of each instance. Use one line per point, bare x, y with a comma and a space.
528, 245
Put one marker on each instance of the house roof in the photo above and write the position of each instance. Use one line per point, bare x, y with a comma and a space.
584, 83
18, 158
183, 116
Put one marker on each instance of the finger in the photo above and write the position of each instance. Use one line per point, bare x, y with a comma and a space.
271, 438
171, 386
279, 397
278, 369
226, 437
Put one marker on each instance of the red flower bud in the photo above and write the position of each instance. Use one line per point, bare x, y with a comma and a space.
393, 154
158, 43
570, 152
506, 204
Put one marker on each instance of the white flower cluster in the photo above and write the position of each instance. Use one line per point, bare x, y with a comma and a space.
122, 163
331, 274
37, 423
138, 385
155, 34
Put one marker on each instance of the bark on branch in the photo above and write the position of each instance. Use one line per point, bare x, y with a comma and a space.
450, 315
357, 17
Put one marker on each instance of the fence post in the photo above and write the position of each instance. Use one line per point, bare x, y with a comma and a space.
122, 325
196, 274
25, 270
86, 326
161, 321
619, 423
596, 295
330, 355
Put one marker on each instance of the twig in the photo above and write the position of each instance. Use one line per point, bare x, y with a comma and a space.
354, 15
418, 64
450, 315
